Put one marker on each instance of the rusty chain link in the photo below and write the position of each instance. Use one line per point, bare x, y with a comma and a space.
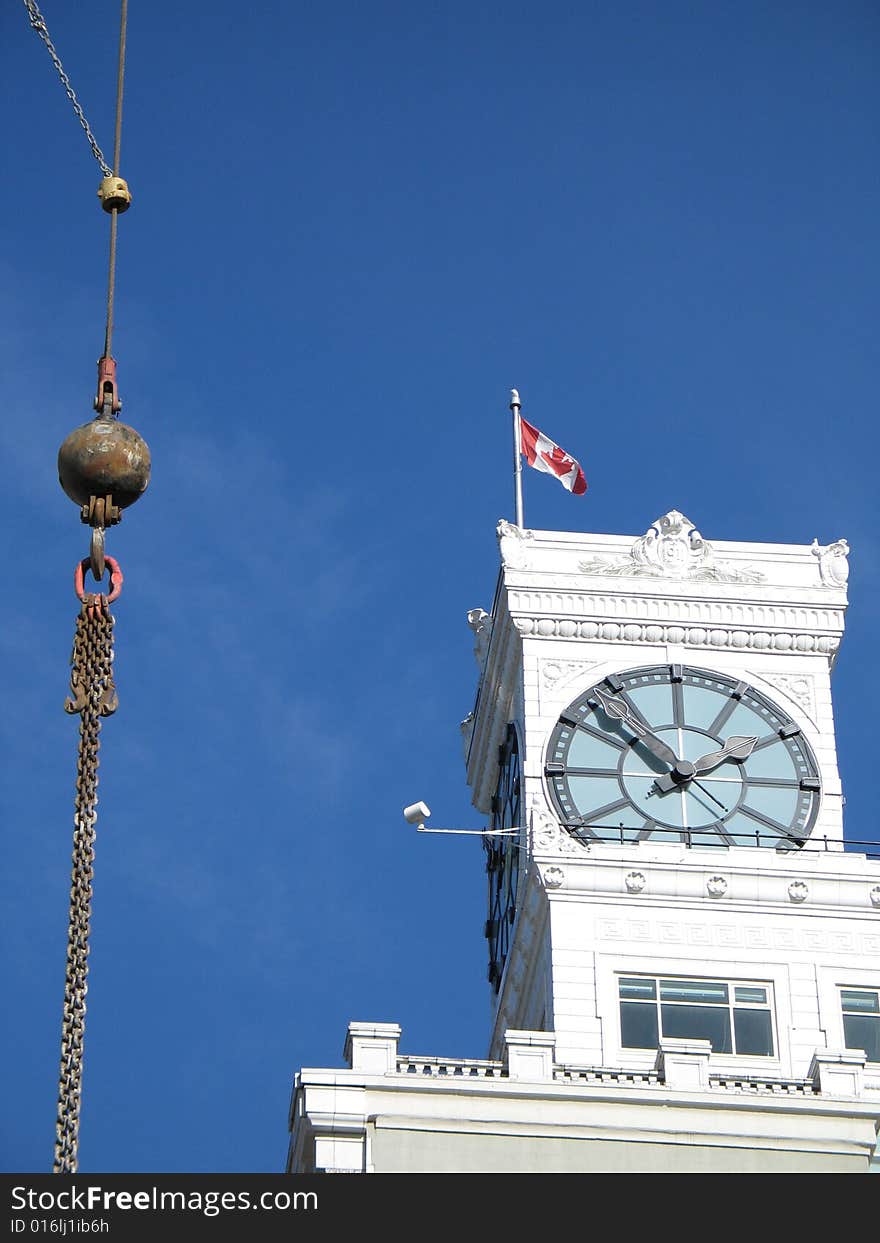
92, 695
38, 22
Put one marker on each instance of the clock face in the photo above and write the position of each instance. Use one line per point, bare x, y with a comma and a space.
673, 753
502, 857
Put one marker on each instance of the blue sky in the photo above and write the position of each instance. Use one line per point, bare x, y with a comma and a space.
355, 227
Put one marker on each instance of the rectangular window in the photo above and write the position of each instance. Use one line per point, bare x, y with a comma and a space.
734, 1017
861, 1020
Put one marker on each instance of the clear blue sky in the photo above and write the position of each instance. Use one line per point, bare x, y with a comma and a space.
355, 227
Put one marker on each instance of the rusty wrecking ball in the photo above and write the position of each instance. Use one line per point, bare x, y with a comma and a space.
104, 457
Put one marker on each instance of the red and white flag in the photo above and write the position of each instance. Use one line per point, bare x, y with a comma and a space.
543, 454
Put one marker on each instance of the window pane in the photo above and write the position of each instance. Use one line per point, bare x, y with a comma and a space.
758, 996
654, 702
862, 1031
747, 723
704, 991
778, 802
591, 793
589, 752
630, 989
698, 1023
772, 761
753, 1030
638, 1025
701, 706
862, 1003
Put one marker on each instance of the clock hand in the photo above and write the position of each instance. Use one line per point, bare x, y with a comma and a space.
735, 748
618, 710
710, 795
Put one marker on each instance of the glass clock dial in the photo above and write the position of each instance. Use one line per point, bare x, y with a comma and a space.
502, 857
670, 752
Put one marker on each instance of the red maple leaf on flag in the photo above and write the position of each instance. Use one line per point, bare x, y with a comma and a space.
544, 454
558, 461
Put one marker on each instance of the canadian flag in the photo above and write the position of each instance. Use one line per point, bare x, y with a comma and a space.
543, 454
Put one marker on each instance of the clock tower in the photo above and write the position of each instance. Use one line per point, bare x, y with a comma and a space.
683, 957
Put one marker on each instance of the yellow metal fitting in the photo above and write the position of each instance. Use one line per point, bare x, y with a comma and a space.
114, 193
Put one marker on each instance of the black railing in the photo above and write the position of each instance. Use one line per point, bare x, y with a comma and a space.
696, 838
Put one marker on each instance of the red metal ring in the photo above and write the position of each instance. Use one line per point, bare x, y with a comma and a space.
115, 579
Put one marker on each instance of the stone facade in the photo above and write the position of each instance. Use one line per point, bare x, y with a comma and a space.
561, 1090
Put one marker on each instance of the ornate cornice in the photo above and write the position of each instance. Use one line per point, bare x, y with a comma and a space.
673, 876
610, 605
689, 636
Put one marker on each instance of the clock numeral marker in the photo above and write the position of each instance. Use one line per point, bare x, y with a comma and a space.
614, 682
789, 730
554, 769
569, 718
810, 783
676, 672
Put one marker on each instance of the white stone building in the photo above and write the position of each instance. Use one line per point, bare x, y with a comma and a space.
684, 959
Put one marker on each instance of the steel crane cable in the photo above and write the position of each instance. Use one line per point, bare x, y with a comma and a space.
92, 691
123, 198
38, 22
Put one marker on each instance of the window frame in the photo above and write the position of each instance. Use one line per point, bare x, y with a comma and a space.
858, 988
731, 983
834, 980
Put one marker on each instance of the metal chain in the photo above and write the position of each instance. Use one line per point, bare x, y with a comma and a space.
92, 695
38, 22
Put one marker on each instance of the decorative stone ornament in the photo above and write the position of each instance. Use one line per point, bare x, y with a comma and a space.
672, 547
798, 688
833, 563
557, 671
635, 882
513, 542
481, 624
798, 891
874, 895
716, 886
554, 877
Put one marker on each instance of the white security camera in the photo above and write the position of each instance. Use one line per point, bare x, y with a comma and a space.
416, 813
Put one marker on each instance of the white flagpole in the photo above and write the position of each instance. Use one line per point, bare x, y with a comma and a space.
517, 457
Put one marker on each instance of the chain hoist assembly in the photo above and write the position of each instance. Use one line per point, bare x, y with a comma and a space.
103, 466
